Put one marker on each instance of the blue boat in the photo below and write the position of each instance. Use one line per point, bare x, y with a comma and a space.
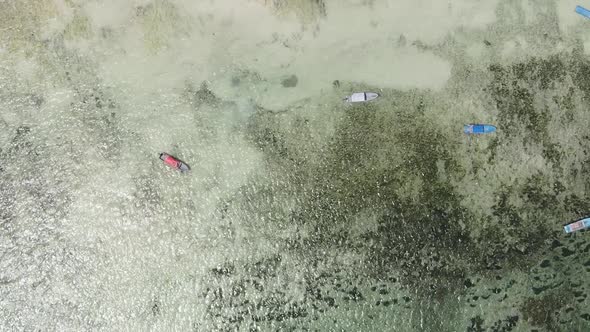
583, 11
475, 128
577, 225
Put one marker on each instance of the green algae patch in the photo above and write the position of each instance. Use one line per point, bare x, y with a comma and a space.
78, 28
543, 311
159, 20
388, 160
21, 23
395, 186
307, 11
392, 166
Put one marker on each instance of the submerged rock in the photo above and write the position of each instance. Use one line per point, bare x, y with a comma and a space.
290, 82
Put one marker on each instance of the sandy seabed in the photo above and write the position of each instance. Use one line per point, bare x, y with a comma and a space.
300, 213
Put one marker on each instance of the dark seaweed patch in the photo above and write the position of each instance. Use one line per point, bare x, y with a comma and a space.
265, 268
226, 270
565, 252
476, 325
505, 325
290, 82
576, 205
19, 140
203, 95
541, 311
513, 88
155, 307
388, 164
262, 131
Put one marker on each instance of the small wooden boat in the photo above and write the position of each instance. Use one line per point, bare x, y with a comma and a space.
359, 97
475, 128
174, 162
577, 225
583, 11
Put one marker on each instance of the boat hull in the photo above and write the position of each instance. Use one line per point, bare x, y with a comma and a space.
577, 225
360, 97
174, 162
478, 129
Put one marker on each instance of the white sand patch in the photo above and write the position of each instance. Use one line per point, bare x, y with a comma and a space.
476, 51
430, 21
355, 42
26, 68
109, 13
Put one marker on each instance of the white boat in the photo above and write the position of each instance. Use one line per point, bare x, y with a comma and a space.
358, 97
578, 225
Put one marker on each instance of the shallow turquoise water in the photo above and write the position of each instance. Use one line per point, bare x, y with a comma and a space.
300, 212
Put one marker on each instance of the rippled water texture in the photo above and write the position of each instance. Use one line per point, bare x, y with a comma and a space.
300, 213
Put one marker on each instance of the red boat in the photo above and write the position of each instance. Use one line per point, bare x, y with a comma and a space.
174, 162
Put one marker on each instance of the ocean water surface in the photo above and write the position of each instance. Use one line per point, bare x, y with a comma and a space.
301, 212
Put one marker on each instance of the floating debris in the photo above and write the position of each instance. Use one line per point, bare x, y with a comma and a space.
577, 225
361, 97
174, 162
478, 129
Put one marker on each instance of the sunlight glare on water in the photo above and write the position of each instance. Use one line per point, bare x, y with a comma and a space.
301, 212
